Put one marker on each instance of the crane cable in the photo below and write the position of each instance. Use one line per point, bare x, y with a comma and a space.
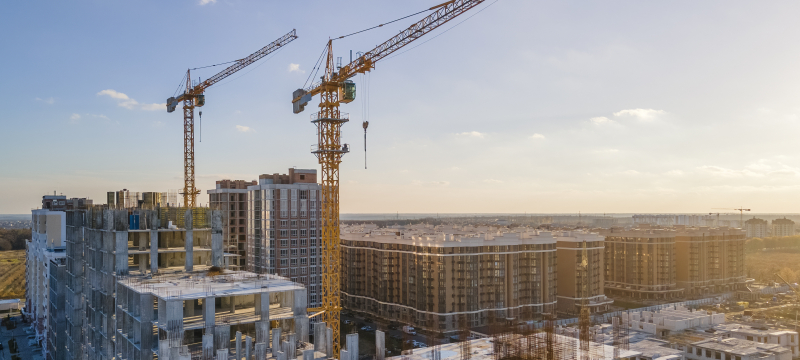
377, 26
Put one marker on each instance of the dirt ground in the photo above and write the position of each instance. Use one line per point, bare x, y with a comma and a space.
12, 274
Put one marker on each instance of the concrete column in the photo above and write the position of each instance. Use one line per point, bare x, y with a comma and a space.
142, 263
263, 305
352, 346
301, 327
261, 351
248, 344
146, 316
276, 341
208, 314
344, 355
380, 345
262, 332
291, 350
238, 345
300, 302
121, 241
281, 355
216, 238
188, 308
154, 242
222, 337
222, 354
233, 304
257, 303
189, 225
319, 337
329, 342
308, 354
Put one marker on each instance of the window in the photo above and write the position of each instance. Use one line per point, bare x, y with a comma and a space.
284, 233
303, 251
313, 252
284, 272
294, 223
284, 262
302, 223
313, 261
284, 253
284, 242
303, 242
294, 233
717, 355
313, 223
303, 271
302, 232
294, 271
699, 352
294, 262
294, 252
313, 240
303, 261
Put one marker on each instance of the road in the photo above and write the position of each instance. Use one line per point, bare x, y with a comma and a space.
359, 322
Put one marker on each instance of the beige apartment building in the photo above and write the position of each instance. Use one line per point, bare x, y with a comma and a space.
282, 228
756, 228
230, 196
573, 274
640, 263
709, 260
782, 227
441, 278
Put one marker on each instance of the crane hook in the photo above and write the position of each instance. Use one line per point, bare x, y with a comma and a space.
365, 124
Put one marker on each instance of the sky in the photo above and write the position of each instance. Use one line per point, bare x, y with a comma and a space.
517, 106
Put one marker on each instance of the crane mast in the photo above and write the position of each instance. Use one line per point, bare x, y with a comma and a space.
335, 89
193, 97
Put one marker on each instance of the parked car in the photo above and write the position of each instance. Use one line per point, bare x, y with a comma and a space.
348, 322
409, 330
367, 328
420, 345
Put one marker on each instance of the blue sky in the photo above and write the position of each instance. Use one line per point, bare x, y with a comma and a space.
545, 106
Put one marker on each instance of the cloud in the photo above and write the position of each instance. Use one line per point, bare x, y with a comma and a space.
642, 114
75, 117
296, 68
99, 116
631, 172
602, 120
48, 101
206, 2
430, 183
472, 134
127, 102
674, 173
158, 124
493, 181
241, 128
536, 136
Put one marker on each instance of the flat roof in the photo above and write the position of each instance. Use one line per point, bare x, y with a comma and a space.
740, 347
197, 285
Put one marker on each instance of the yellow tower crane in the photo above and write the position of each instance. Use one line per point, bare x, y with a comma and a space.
193, 97
336, 88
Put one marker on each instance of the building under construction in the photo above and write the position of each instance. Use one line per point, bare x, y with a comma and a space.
145, 284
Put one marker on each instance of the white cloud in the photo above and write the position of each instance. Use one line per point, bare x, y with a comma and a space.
241, 128
127, 102
602, 120
674, 173
296, 68
642, 114
472, 134
537, 136
205, 2
48, 101
75, 117
99, 116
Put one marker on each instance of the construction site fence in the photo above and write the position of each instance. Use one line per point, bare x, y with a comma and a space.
606, 318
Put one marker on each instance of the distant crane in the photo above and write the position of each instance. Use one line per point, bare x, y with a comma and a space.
336, 88
741, 216
193, 97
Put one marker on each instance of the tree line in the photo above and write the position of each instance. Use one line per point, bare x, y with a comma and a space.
759, 244
14, 239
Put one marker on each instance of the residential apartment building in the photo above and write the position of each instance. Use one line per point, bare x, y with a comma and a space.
44, 253
443, 278
580, 282
282, 228
756, 228
782, 227
709, 260
230, 197
61, 203
641, 263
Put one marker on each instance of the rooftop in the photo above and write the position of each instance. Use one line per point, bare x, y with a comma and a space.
741, 347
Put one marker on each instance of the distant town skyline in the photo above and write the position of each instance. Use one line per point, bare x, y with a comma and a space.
538, 107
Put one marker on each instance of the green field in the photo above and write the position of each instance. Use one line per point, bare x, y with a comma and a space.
12, 274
